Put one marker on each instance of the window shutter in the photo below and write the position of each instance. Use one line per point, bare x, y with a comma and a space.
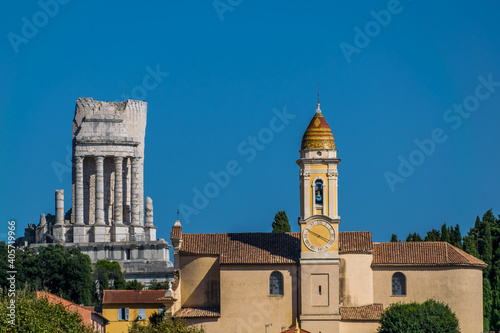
142, 313
126, 313
120, 314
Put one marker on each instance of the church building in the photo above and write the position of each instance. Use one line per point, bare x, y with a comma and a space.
320, 279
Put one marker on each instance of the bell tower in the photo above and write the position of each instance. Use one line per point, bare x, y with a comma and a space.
319, 226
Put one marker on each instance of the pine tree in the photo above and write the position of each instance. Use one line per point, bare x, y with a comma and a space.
394, 238
281, 224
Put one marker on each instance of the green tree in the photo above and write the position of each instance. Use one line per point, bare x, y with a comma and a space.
109, 275
65, 273
394, 238
445, 233
430, 316
134, 285
413, 237
456, 236
487, 304
165, 325
433, 236
281, 224
155, 285
470, 246
39, 315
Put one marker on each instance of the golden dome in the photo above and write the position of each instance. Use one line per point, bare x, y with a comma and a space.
318, 134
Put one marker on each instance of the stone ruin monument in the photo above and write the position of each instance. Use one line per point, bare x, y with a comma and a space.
108, 217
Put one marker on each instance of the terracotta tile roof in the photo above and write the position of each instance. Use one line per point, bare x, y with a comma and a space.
422, 254
264, 248
292, 330
245, 248
132, 296
370, 312
197, 312
355, 242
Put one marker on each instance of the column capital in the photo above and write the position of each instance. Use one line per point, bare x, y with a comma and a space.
136, 158
118, 159
78, 159
99, 159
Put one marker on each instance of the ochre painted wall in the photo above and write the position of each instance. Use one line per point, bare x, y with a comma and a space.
246, 305
200, 281
356, 279
460, 288
358, 326
110, 312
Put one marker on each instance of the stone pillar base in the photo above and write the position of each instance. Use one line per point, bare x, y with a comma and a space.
150, 233
59, 232
80, 234
100, 233
120, 233
136, 233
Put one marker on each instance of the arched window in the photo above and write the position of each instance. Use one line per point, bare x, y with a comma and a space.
318, 191
398, 284
276, 283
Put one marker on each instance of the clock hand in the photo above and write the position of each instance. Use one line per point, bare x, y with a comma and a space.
319, 236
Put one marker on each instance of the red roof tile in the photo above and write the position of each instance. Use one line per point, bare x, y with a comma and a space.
356, 242
132, 296
245, 248
197, 313
422, 254
370, 312
264, 248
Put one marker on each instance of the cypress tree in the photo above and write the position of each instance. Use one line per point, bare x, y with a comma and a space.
281, 224
445, 233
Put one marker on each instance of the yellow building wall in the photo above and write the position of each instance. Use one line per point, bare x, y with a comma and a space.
460, 288
356, 279
200, 281
246, 305
359, 326
110, 312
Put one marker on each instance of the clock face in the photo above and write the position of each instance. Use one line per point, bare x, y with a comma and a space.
319, 236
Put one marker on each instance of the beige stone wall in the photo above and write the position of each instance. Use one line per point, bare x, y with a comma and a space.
460, 288
359, 326
356, 279
200, 281
246, 305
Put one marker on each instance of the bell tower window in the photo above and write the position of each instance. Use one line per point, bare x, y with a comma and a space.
318, 192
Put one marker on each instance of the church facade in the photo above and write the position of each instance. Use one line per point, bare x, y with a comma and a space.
108, 219
322, 279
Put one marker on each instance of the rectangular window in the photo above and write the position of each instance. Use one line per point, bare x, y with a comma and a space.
142, 314
123, 313
127, 254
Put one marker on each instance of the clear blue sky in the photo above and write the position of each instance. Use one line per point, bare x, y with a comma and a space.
228, 70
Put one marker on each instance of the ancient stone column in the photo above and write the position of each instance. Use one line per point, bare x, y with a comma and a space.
118, 190
79, 190
136, 192
149, 212
60, 207
99, 190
